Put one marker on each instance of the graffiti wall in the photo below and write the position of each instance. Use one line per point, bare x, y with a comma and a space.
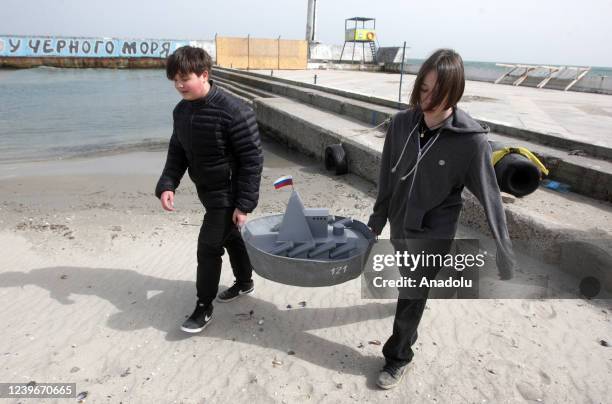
40, 46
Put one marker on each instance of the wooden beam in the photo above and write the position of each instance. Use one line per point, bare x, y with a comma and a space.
505, 74
585, 70
551, 71
524, 76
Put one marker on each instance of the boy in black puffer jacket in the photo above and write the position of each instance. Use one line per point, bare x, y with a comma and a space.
215, 139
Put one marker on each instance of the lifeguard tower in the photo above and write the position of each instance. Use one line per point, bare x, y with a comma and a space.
364, 34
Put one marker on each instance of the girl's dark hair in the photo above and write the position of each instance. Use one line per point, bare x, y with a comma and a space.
450, 83
186, 60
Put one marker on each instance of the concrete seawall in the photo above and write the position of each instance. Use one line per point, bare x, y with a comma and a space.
111, 63
18, 51
589, 84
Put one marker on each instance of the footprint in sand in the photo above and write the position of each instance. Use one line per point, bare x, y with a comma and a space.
546, 311
545, 378
529, 392
539, 309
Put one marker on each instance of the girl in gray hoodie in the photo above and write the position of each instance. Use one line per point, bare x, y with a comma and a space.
432, 151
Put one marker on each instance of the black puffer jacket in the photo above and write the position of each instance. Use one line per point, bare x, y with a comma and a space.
217, 139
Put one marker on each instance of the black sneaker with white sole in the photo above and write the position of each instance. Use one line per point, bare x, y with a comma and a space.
235, 291
199, 319
390, 376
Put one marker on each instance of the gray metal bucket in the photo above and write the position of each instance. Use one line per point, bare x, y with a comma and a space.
299, 271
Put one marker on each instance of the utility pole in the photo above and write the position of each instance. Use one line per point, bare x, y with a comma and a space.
311, 21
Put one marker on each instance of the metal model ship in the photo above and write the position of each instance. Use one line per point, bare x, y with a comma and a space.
307, 246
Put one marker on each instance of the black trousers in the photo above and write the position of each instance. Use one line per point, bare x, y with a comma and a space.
217, 234
411, 303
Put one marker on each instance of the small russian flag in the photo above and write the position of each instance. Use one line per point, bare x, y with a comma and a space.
283, 181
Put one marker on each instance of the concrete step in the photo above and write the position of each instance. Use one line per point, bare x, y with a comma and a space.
250, 92
241, 95
363, 111
311, 130
587, 175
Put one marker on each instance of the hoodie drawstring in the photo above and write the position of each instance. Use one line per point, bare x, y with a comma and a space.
394, 168
420, 157
421, 153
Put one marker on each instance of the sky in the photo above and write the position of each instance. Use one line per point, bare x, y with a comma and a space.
551, 32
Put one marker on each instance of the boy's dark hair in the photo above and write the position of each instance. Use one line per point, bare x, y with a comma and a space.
450, 83
188, 59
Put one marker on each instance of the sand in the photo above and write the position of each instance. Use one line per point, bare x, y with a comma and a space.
95, 280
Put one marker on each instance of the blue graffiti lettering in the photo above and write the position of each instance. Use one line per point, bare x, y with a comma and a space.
73, 47
43, 46
129, 48
98, 43
61, 44
34, 45
14, 46
47, 46
165, 49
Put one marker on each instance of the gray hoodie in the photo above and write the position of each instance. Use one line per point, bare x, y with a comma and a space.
420, 191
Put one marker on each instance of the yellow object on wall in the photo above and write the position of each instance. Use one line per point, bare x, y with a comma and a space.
501, 153
360, 35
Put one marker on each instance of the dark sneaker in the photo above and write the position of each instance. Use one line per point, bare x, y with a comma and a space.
390, 376
234, 292
199, 319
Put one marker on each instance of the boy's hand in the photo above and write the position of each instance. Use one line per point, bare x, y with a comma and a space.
239, 217
167, 200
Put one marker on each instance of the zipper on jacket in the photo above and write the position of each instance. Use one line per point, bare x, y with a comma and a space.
191, 131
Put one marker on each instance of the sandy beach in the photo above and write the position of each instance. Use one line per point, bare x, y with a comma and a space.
95, 280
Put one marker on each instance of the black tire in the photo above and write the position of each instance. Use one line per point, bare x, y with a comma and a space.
517, 175
335, 159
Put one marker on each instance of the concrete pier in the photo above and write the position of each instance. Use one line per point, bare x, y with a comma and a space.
567, 115
588, 172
